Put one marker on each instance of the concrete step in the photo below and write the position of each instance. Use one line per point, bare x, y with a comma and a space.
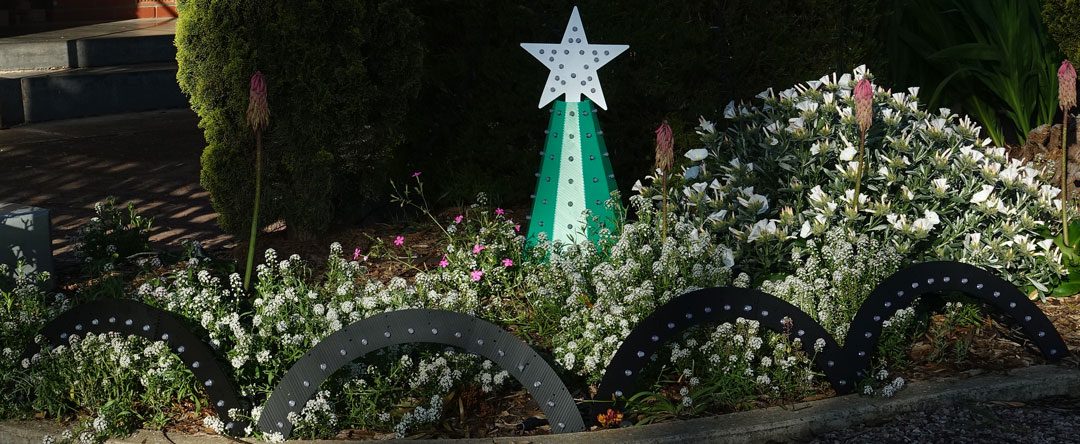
126, 42
41, 95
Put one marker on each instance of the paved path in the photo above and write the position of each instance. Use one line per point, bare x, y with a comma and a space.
149, 158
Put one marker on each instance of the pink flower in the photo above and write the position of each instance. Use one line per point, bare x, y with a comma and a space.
864, 102
477, 248
443, 263
356, 254
517, 228
258, 112
665, 143
416, 174
457, 220
399, 240
507, 262
475, 274
1066, 86
499, 211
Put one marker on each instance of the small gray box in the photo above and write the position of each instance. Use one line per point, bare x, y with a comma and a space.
24, 235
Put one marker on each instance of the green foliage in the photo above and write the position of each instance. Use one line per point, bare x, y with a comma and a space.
477, 126
1062, 18
111, 237
993, 57
339, 76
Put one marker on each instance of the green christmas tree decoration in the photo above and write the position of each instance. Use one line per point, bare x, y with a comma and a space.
575, 174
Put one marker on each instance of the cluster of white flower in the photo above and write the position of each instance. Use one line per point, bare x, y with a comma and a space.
833, 277
931, 185
601, 298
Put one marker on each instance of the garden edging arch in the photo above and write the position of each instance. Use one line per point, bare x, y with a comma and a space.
421, 326
842, 366
129, 317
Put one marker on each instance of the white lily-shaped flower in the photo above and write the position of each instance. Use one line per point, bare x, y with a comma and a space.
813, 84
692, 172
708, 127
756, 202
1046, 244
849, 196
765, 94
974, 240
941, 184
1022, 241
807, 106
982, 195
914, 91
815, 149
715, 184
699, 187
817, 197
848, 153
718, 216
697, 155
804, 232
638, 186
898, 222
789, 93
763, 227
907, 192
728, 257
991, 168
827, 98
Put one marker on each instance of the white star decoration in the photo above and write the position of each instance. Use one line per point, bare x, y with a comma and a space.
573, 63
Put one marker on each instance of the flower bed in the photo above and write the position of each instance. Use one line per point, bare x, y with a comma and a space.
741, 214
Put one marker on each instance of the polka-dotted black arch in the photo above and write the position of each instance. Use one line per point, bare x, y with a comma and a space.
421, 326
129, 317
903, 287
712, 305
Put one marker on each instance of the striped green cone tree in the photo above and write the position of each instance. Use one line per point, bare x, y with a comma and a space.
575, 174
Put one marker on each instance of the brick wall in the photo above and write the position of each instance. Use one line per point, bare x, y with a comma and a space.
83, 10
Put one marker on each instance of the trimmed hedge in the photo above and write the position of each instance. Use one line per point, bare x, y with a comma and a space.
1062, 18
340, 75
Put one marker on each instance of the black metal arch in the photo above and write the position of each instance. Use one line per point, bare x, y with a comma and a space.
904, 286
719, 304
420, 326
130, 317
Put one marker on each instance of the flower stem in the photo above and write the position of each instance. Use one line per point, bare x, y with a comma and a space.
255, 213
858, 171
663, 209
1064, 178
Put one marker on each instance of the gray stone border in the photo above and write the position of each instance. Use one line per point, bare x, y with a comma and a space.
801, 420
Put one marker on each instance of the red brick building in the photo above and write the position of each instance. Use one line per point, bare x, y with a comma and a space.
22, 12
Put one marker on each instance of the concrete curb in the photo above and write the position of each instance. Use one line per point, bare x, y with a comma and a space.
766, 425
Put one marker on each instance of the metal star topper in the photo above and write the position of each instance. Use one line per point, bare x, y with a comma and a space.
573, 63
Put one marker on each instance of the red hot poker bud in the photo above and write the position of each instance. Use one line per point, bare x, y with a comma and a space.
864, 102
665, 147
258, 112
1066, 86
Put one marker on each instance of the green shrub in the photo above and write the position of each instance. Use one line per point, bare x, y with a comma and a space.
1062, 18
934, 189
340, 76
